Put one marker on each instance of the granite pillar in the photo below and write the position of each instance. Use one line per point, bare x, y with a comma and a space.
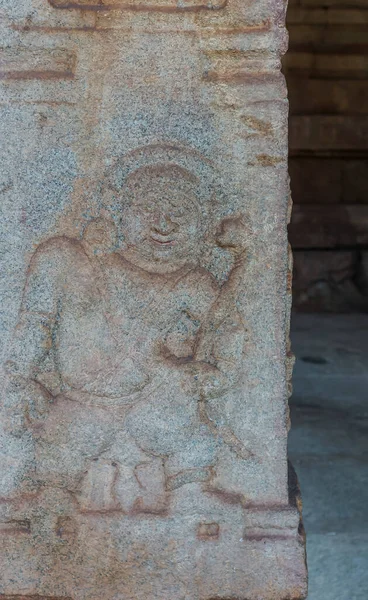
145, 303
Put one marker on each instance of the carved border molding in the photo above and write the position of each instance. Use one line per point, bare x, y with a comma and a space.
140, 5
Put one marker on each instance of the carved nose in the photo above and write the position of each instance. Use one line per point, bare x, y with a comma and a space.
164, 225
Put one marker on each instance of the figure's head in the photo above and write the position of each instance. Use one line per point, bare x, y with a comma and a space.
160, 218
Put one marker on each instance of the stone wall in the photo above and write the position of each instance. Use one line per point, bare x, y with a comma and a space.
327, 75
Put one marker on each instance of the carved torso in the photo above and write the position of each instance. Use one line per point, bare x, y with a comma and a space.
114, 323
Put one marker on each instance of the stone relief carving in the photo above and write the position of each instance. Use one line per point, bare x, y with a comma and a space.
125, 345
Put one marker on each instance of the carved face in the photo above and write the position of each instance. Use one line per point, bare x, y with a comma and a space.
161, 225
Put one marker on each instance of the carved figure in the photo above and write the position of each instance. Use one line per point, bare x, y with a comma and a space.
125, 345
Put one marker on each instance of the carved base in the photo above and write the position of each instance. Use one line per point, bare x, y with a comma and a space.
207, 548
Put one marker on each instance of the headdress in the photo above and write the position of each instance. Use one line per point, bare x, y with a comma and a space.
155, 156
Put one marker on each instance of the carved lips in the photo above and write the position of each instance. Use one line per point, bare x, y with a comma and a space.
162, 240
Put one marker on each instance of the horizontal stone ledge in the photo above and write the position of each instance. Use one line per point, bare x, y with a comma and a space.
326, 226
328, 133
329, 3
242, 77
321, 265
230, 61
329, 97
138, 5
31, 597
329, 180
276, 518
320, 65
343, 154
330, 16
328, 39
24, 63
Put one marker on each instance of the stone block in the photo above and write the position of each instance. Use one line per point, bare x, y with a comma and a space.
355, 181
144, 303
317, 64
327, 96
330, 16
337, 39
325, 226
333, 3
157, 5
328, 133
315, 180
324, 280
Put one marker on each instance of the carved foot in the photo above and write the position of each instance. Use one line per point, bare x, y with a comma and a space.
97, 493
108, 487
153, 497
195, 475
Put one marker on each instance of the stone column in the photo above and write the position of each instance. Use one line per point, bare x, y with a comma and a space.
145, 303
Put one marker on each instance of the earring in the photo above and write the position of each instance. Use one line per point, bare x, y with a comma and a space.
101, 236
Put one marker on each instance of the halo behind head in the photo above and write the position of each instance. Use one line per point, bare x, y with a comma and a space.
173, 162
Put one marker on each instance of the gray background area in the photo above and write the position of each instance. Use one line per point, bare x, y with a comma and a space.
328, 446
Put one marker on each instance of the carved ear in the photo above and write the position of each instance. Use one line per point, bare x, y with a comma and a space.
100, 236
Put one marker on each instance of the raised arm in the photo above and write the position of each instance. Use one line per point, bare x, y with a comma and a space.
223, 334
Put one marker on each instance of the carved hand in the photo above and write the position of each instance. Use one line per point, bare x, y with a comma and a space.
233, 235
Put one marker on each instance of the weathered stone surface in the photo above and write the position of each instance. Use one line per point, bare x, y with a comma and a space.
145, 303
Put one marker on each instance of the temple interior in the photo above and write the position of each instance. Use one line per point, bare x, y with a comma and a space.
326, 68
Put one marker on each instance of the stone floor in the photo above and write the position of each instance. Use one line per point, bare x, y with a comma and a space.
328, 446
